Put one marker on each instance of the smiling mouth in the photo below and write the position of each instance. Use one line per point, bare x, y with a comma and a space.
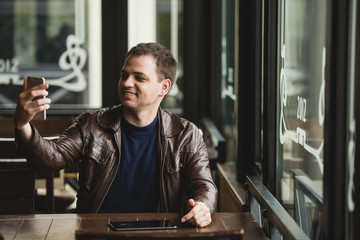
129, 94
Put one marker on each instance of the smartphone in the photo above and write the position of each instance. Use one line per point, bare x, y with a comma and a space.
141, 225
32, 81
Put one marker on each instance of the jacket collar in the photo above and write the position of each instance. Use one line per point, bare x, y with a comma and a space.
170, 125
110, 117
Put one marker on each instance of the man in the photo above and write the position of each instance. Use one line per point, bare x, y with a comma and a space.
134, 157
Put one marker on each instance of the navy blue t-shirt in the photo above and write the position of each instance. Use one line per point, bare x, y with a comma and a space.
135, 187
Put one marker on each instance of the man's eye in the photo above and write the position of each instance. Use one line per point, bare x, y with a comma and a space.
140, 78
123, 76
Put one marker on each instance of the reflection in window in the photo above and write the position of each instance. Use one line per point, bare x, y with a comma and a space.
169, 20
301, 96
228, 96
51, 38
351, 126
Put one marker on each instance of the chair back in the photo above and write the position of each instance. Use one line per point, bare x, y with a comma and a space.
17, 181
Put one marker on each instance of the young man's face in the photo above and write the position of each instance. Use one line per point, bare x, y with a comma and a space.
140, 87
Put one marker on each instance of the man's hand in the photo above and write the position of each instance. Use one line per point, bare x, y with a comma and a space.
27, 108
198, 215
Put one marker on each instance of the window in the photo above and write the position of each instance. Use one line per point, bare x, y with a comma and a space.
160, 21
169, 33
351, 126
228, 96
301, 99
309, 67
53, 39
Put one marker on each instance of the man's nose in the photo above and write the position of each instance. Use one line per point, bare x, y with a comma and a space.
128, 82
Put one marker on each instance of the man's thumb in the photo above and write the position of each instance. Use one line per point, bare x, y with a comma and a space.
191, 202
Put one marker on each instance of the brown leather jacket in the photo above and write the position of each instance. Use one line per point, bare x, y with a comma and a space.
95, 141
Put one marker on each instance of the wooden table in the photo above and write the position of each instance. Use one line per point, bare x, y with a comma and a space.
230, 225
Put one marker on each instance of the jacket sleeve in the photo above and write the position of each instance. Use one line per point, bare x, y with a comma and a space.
44, 155
198, 181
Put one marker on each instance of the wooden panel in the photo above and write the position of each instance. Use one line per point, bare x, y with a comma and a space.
17, 205
226, 202
17, 183
6, 127
63, 228
53, 125
232, 195
8, 228
8, 149
34, 229
234, 225
17, 188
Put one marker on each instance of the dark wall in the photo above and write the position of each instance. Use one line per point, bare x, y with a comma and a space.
197, 59
114, 47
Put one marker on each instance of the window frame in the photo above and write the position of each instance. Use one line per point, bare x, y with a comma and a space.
335, 132
248, 88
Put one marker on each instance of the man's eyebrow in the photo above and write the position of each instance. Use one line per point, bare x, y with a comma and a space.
140, 73
135, 73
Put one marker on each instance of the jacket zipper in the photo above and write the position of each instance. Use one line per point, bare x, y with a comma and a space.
117, 169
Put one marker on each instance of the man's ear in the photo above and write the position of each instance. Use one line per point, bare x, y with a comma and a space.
165, 87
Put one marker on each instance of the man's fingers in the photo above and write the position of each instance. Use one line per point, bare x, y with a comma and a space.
34, 94
200, 220
199, 215
41, 101
203, 221
40, 87
29, 105
188, 216
30, 102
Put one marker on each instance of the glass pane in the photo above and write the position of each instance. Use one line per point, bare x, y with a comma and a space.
51, 38
351, 125
301, 96
228, 95
169, 33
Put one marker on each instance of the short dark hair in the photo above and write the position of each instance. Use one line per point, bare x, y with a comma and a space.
165, 62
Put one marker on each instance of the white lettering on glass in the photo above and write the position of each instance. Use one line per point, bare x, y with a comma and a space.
301, 110
11, 77
9, 69
73, 59
351, 162
227, 85
299, 136
9, 65
322, 91
351, 114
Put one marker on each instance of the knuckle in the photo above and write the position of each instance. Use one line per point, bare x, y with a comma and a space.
202, 224
37, 102
21, 95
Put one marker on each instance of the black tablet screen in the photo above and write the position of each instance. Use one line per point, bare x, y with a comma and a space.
141, 225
